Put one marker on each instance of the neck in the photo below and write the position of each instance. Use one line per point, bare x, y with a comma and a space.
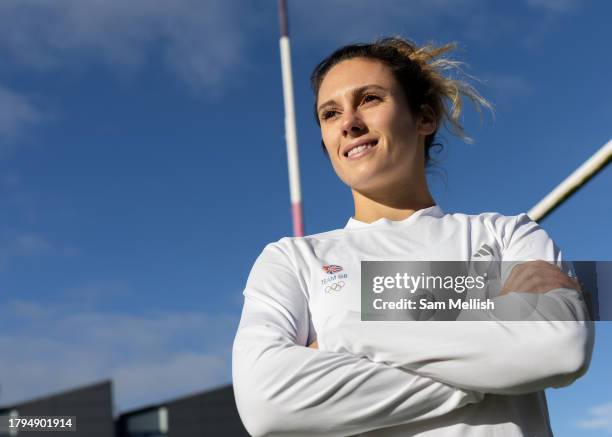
398, 206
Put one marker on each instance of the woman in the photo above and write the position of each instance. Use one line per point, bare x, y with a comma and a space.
303, 361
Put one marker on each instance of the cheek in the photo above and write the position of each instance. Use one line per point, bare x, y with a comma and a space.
331, 143
404, 137
332, 152
396, 122
400, 127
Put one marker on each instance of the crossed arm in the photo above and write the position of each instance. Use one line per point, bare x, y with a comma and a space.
285, 388
364, 379
501, 357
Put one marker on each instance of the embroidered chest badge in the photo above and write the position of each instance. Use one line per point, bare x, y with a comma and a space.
334, 281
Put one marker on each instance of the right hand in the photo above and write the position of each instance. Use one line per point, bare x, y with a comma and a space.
538, 277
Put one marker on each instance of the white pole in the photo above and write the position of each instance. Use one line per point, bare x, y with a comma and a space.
572, 183
290, 125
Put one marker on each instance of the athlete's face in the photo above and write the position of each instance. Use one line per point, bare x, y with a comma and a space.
361, 103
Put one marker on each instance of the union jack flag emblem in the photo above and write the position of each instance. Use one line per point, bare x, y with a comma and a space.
331, 269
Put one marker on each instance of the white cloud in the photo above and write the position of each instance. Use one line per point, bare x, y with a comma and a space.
16, 245
506, 85
25, 310
600, 418
200, 41
175, 375
25, 244
17, 114
150, 357
97, 290
31, 244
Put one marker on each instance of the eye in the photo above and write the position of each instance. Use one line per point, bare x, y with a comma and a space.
328, 114
370, 98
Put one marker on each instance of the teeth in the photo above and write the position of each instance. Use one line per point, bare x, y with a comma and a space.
358, 149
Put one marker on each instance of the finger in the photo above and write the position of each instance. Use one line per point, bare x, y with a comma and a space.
551, 276
539, 278
521, 271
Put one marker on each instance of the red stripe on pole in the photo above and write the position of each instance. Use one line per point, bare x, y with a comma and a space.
298, 226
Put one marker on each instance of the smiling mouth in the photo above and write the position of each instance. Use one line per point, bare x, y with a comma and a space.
360, 150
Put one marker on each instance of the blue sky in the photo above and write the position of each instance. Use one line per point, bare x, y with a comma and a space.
143, 169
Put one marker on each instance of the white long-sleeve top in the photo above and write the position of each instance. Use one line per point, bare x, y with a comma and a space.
400, 378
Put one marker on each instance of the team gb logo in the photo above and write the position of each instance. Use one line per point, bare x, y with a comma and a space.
334, 281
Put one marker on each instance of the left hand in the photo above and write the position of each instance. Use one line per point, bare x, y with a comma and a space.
314, 345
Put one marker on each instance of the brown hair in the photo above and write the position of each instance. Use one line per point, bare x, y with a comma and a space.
419, 71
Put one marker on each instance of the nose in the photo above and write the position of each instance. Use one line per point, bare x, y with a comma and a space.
352, 125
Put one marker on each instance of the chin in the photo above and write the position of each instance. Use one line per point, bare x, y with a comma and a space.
366, 184
368, 179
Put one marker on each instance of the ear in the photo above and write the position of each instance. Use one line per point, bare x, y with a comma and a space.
427, 123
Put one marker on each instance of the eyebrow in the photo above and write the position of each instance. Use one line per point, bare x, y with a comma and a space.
354, 93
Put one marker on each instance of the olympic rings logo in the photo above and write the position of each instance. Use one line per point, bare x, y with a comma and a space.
336, 286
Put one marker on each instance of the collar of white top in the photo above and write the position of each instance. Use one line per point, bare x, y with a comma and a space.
434, 211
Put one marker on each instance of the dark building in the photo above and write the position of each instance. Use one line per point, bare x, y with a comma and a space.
210, 413
92, 405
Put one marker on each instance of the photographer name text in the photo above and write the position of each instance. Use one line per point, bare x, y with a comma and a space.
427, 304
